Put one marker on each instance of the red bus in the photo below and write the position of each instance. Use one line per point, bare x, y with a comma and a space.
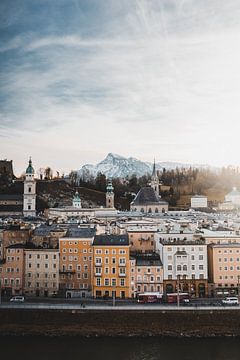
172, 297
149, 297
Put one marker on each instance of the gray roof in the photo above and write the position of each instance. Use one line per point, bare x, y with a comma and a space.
152, 259
11, 208
76, 232
112, 240
11, 197
147, 195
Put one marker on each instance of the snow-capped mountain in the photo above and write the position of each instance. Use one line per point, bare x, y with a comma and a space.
118, 166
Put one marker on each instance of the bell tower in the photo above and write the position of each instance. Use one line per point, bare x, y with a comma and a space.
29, 196
76, 201
109, 195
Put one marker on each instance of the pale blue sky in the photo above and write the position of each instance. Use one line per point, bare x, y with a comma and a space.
81, 78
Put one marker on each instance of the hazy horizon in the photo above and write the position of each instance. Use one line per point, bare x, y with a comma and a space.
140, 78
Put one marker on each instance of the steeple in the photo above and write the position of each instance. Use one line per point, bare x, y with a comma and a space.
154, 174
154, 183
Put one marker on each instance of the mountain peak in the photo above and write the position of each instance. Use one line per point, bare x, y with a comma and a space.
115, 165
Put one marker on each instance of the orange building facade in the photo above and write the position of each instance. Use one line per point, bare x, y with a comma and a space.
12, 271
76, 262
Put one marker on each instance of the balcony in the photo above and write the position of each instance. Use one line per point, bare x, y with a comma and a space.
122, 264
67, 272
97, 274
122, 274
98, 264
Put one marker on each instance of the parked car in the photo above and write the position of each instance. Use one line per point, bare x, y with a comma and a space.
17, 298
230, 301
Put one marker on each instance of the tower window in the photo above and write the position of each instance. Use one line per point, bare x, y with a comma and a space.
29, 207
29, 189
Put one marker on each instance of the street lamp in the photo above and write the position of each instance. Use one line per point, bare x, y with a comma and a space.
178, 285
114, 292
238, 287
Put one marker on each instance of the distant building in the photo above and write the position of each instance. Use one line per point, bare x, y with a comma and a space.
234, 197
148, 199
199, 201
11, 205
226, 206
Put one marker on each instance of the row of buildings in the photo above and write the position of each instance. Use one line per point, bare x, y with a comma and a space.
83, 262
103, 252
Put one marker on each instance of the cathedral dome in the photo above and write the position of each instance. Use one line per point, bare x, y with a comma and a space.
30, 169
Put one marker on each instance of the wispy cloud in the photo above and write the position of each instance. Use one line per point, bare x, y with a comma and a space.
142, 72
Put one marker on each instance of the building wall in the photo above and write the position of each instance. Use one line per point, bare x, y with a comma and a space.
76, 264
41, 272
199, 202
224, 266
149, 279
111, 271
151, 208
11, 237
12, 272
141, 240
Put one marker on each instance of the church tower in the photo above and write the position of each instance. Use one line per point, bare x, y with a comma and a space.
154, 183
29, 196
76, 201
109, 195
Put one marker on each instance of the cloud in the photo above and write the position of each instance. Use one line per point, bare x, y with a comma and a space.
144, 72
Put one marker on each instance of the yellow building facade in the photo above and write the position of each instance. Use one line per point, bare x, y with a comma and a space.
111, 266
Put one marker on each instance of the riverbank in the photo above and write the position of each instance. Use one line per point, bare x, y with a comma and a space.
120, 323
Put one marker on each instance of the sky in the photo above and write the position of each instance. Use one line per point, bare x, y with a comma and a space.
141, 78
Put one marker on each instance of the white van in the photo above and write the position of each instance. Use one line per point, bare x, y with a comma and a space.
233, 300
17, 298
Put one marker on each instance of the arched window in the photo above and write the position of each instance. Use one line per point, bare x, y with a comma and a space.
156, 210
184, 267
149, 210
179, 268
142, 210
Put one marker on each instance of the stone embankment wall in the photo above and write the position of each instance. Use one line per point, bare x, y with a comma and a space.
119, 323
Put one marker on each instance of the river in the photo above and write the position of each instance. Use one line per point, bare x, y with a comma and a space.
66, 348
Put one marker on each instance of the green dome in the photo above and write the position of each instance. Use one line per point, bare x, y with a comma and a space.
76, 196
30, 169
110, 187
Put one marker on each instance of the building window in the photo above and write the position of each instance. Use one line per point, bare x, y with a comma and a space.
106, 282
98, 281
122, 282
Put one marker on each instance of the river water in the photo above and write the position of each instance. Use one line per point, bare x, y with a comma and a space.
44, 348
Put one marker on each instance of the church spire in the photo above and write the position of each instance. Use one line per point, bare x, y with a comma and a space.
154, 183
154, 174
